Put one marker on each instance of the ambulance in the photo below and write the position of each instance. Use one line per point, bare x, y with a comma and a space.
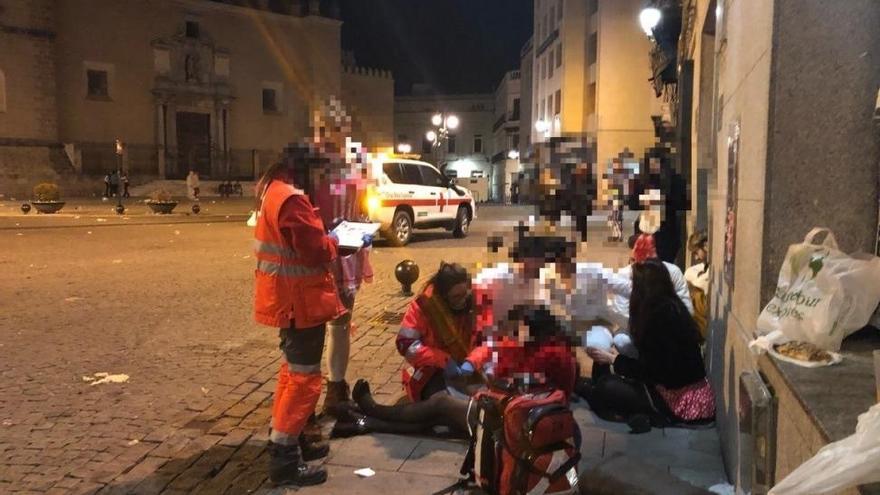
410, 194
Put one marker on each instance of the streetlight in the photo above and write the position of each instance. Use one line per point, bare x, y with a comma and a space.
119, 150
404, 148
648, 19
443, 124
513, 155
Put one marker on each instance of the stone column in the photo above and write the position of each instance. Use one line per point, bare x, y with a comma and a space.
161, 129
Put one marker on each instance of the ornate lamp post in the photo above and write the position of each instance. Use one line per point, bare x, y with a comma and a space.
442, 123
120, 209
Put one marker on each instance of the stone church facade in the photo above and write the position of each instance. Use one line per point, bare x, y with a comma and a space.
217, 87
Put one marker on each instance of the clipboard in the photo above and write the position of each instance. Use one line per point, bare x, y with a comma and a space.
351, 234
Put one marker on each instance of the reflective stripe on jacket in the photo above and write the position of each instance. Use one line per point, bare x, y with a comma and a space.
293, 282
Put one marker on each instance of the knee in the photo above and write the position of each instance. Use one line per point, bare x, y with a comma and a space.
303, 349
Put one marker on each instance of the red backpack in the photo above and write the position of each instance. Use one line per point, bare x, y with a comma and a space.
523, 443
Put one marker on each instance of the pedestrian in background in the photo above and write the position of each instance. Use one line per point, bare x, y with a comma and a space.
114, 183
125, 185
192, 185
107, 185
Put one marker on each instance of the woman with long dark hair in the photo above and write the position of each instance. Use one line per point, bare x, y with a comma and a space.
667, 383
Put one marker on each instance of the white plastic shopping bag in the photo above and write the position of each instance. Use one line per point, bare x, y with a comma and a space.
822, 294
855, 460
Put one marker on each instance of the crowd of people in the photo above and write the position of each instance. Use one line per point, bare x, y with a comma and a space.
516, 325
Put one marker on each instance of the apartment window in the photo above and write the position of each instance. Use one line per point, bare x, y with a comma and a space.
592, 6
478, 143
550, 65
546, 26
97, 83
2, 91
192, 29
558, 108
542, 114
559, 11
515, 115
592, 49
450, 144
552, 17
558, 55
514, 141
270, 100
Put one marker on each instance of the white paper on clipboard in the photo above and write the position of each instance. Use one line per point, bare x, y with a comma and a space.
351, 234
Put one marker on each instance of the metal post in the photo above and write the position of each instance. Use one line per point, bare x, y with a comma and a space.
119, 207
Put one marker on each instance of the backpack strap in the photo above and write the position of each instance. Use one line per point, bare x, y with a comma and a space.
462, 483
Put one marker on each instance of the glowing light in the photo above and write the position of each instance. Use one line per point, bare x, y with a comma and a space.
513, 155
452, 122
404, 148
542, 125
649, 18
431, 136
437, 119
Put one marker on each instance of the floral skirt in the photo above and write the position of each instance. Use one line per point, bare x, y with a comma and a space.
693, 402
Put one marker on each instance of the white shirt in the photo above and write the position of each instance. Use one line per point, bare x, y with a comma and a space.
620, 289
698, 276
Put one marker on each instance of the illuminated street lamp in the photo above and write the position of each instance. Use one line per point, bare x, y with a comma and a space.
513, 155
443, 124
648, 19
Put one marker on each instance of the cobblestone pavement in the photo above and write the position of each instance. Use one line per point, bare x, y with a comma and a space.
169, 306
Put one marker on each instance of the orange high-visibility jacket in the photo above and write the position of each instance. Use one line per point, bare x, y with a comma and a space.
293, 281
430, 335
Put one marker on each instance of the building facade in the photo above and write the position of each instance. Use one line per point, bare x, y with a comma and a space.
467, 153
506, 135
774, 104
216, 87
588, 75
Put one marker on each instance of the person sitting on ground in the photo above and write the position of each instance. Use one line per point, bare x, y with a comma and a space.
437, 336
667, 382
534, 356
697, 277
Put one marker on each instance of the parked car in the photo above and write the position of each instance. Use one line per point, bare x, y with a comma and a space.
412, 194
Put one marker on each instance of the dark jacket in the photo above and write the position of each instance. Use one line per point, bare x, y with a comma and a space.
669, 352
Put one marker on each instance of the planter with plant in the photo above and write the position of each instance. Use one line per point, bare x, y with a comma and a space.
161, 202
47, 198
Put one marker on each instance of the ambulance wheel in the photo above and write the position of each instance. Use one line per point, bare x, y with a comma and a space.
462, 223
401, 228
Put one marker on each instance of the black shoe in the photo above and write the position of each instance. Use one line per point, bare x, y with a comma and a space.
286, 467
313, 450
639, 423
360, 390
346, 429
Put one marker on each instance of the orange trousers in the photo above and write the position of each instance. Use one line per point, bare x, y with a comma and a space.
299, 383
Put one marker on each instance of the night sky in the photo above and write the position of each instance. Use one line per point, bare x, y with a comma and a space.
457, 46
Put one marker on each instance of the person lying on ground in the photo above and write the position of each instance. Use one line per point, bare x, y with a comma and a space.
666, 383
533, 357
437, 337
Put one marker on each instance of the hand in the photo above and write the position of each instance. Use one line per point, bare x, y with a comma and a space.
452, 369
333, 236
368, 240
467, 368
601, 356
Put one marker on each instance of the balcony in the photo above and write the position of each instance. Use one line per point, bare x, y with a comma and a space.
511, 118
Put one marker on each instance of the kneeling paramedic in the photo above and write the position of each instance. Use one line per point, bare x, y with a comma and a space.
295, 292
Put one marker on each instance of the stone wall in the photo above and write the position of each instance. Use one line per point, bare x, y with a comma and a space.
369, 96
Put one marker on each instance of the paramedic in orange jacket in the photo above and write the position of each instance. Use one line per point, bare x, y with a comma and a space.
296, 293
437, 337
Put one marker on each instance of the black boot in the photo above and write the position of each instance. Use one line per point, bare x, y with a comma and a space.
286, 467
313, 449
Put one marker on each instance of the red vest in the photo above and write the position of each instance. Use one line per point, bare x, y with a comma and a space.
287, 288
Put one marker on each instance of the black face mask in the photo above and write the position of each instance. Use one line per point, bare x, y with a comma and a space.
466, 308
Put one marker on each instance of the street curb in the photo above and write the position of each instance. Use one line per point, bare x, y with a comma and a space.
230, 219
